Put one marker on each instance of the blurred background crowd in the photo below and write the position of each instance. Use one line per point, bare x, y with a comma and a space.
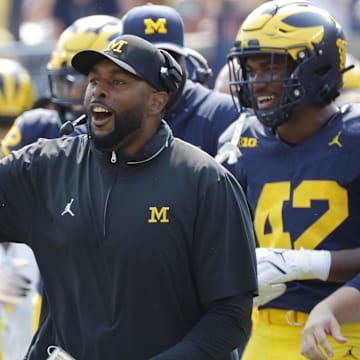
29, 28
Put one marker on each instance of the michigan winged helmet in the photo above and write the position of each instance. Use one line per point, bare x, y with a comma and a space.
17, 92
93, 32
313, 45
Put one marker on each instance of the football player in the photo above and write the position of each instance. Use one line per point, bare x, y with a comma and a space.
299, 167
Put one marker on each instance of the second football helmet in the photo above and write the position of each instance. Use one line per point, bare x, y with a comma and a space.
91, 33
17, 92
314, 46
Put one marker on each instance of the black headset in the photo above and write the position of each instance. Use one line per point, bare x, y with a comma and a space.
200, 69
171, 74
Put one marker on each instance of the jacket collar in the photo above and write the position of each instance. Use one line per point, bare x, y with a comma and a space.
151, 150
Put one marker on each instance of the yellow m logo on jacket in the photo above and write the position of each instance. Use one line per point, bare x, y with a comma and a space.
157, 215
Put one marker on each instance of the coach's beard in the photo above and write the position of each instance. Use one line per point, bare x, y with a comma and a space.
124, 125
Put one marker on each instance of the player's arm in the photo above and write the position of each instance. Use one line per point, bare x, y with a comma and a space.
13, 285
341, 307
12, 138
344, 265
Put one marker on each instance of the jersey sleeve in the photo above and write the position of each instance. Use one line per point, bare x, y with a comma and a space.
354, 282
30, 126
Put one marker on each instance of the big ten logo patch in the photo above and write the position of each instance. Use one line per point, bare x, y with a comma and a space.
247, 142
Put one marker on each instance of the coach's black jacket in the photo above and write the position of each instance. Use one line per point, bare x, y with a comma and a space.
143, 257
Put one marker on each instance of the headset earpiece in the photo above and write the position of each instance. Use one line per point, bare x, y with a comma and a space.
198, 67
171, 74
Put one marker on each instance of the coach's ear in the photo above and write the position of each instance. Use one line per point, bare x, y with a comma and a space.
157, 103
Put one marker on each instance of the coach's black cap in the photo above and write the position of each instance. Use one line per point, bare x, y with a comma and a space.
133, 54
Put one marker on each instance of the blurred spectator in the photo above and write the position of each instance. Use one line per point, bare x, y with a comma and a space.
229, 19
195, 15
9, 16
37, 23
67, 11
355, 15
350, 92
340, 9
125, 5
6, 37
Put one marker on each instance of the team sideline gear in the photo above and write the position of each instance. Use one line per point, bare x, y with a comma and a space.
14, 286
142, 240
311, 41
283, 265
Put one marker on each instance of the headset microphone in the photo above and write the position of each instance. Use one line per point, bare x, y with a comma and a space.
68, 127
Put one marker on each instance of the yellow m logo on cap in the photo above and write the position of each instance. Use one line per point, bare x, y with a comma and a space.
158, 26
116, 46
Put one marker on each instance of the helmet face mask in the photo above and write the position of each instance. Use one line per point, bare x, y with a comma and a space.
67, 87
305, 34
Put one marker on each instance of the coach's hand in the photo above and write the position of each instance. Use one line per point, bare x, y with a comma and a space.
13, 285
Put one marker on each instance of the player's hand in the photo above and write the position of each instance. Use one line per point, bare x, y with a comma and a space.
13, 285
283, 265
268, 292
314, 342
